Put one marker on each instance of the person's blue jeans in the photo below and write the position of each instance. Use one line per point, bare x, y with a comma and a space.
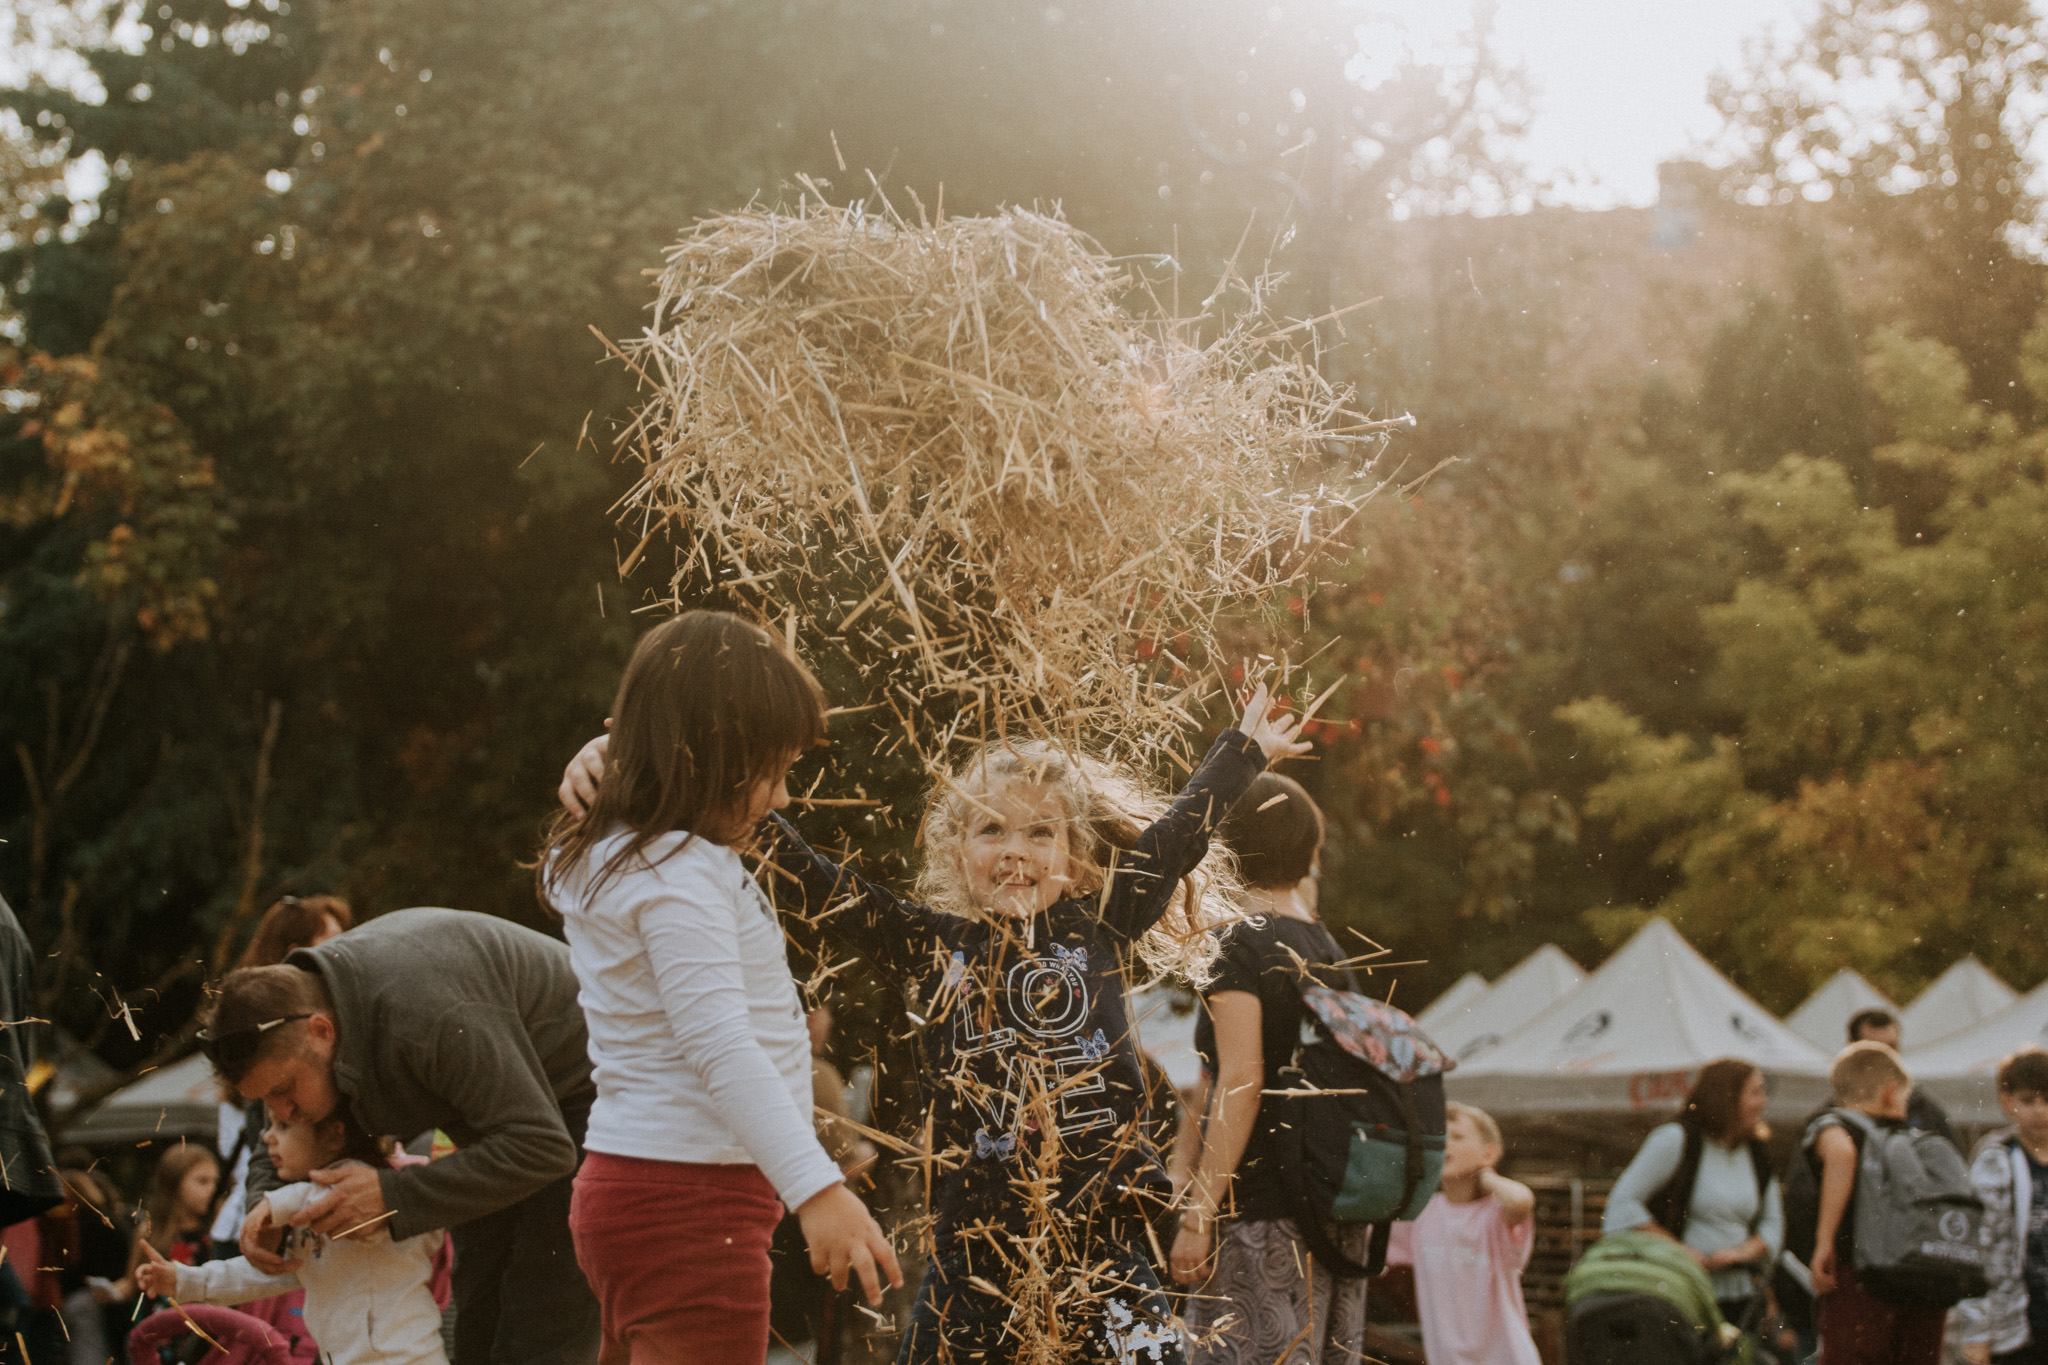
1110, 1300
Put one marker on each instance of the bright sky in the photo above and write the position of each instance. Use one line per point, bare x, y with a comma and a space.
1619, 84
1622, 84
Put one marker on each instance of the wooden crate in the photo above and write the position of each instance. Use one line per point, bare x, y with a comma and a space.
1568, 1214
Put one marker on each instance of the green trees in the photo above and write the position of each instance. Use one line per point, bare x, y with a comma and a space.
307, 579
1916, 114
1873, 800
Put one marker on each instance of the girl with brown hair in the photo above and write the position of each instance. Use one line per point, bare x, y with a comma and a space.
177, 1207
697, 1039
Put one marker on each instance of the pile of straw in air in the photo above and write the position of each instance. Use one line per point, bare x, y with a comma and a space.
947, 451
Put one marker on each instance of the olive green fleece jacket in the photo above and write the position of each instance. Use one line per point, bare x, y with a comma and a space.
463, 1022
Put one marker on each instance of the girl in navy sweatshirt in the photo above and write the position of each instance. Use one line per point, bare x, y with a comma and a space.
1039, 882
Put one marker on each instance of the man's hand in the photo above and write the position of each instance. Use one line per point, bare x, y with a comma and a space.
259, 1242
580, 778
354, 1204
156, 1275
1191, 1252
1977, 1352
843, 1236
1822, 1269
1276, 737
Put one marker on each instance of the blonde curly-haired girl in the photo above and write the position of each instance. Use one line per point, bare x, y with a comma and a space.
1045, 871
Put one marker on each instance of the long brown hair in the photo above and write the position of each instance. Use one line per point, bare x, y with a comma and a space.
1714, 1104
294, 922
160, 1213
709, 707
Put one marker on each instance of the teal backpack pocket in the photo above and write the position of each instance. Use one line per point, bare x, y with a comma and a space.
1377, 1173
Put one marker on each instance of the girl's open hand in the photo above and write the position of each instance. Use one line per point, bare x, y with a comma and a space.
1275, 736
155, 1275
845, 1239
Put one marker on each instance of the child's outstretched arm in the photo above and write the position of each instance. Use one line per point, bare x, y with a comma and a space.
1175, 844
226, 1282
580, 779
894, 934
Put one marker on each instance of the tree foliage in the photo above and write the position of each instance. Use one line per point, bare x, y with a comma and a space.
307, 578
1918, 115
1873, 801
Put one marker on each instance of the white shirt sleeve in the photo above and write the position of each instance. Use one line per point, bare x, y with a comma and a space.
233, 1281
293, 1200
694, 952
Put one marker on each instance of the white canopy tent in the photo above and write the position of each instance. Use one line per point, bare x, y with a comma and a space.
1961, 1069
180, 1099
1632, 1038
1462, 993
1961, 997
1824, 1019
1525, 991
1164, 1015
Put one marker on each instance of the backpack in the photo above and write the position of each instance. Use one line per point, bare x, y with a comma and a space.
1919, 1221
1362, 1122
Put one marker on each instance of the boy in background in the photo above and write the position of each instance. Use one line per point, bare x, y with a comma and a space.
1857, 1327
1469, 1247
2009, 1325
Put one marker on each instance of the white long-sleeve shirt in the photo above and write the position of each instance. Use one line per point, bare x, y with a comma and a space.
368, 1299
697, 1037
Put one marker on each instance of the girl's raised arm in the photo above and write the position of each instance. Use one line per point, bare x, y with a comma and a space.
1174, 845
894, 934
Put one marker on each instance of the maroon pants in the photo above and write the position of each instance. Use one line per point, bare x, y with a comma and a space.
677, 1254
1857, 1328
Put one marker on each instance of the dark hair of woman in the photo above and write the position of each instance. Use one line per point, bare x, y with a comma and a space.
1714, 1104
295, 922
1276, 830
710, 706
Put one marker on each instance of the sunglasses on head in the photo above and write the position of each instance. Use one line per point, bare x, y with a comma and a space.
236, 1048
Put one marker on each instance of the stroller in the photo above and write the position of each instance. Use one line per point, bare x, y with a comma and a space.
241, 1339
1640, 1299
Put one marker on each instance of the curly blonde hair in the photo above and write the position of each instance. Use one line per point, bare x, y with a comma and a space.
1106, 809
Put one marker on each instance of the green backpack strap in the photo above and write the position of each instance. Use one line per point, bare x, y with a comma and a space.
1411, 1178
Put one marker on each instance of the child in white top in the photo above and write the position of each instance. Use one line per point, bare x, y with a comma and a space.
367, 1297
697, 1039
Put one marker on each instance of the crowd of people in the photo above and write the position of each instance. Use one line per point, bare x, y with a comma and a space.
1782, 1245
626, 1120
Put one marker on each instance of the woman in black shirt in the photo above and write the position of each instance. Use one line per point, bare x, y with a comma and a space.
1237, 1238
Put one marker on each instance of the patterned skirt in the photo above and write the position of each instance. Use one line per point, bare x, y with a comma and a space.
1268, 1303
